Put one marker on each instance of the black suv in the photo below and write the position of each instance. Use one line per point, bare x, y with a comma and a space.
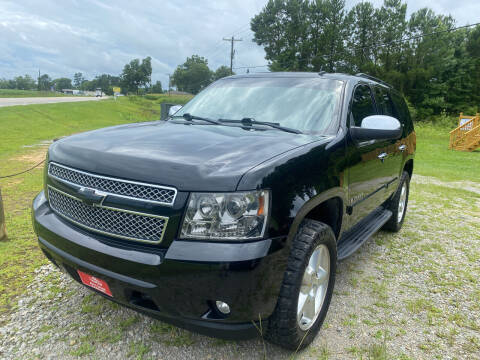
236, 209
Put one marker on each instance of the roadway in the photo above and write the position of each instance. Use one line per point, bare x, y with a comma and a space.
46, 100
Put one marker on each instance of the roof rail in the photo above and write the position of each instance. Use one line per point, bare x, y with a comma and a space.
373, 78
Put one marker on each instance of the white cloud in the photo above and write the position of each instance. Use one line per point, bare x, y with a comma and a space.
95, 37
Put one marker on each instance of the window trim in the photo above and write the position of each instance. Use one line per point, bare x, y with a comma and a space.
351, 121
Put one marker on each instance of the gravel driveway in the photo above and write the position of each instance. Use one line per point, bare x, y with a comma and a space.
47, 100
411, 295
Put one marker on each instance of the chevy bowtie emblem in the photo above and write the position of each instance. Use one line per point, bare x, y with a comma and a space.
91, 196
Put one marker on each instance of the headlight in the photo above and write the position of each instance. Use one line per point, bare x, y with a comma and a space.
226, 216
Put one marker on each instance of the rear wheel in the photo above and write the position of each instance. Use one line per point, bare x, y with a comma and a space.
398, 205
307, 287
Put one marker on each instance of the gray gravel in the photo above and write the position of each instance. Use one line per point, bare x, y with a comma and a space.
411, 295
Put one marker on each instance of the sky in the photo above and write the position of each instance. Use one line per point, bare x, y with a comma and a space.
94, 37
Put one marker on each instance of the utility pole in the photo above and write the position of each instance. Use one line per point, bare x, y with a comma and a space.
232, 51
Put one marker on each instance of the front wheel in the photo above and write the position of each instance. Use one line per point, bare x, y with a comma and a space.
307, 287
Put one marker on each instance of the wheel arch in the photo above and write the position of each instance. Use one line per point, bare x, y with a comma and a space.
328, 207
408, 167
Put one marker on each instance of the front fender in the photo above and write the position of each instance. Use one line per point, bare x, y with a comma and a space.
313, 202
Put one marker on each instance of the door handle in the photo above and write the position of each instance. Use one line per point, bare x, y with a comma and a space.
402, 148
382, 156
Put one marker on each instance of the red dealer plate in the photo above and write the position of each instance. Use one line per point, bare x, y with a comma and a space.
94, 282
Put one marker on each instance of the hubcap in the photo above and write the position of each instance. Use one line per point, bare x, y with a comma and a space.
402, 202
314, 287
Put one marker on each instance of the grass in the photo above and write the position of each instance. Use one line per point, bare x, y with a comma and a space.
13, 93
125, 324
433, 157
138, 350
82, 350
20, 256
29, 125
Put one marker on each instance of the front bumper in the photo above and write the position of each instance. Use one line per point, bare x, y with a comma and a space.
180, 284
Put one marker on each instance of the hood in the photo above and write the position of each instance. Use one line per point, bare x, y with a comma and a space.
190, 157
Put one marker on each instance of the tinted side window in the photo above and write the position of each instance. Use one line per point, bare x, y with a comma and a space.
401, 108
384, 102
362, 105
403, 112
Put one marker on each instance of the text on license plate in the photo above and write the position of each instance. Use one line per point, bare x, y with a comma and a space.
94, 282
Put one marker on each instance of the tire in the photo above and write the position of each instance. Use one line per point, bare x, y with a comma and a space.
396, 221
284, 326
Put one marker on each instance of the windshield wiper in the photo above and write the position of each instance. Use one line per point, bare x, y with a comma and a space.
251, 122
190, 117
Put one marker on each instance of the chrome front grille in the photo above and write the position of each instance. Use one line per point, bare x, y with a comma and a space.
130, 189
113, 222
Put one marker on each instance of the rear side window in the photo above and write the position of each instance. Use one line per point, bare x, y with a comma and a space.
402, 110
362, 104
384, 102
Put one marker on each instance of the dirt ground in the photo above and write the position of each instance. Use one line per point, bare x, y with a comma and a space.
410, 295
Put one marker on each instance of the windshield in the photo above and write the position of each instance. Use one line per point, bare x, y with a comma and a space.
306, 104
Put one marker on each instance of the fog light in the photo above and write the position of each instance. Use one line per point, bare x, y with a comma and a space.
222, 307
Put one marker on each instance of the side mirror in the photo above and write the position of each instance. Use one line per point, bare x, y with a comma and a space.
377, 127
174, 109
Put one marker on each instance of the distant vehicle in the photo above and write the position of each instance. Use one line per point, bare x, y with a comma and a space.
236, 209
98, 92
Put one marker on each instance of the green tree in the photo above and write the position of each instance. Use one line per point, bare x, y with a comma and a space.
136, 74
282, 29
156, 88
473, 55
44, 82
302, 35
146, 71
437, 69
193, 75
24, 82
106, 82
62, 83
392, 16
329, 36
222, 72
88, 85
427, 60
78, 79
363, 30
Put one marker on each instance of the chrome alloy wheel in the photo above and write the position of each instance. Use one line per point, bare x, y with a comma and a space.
402, 202
314, 287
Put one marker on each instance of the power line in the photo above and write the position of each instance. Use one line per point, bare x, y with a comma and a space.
217, 46
246, 30
239, 30
420, 36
